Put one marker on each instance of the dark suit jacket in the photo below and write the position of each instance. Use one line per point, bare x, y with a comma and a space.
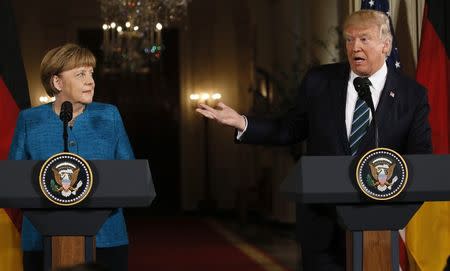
319, 116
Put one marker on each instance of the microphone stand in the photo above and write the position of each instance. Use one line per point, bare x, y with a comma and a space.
65, 116
65, 136
364, 93
375, 125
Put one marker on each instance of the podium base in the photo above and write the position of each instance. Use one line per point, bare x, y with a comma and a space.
372, 250
65, 251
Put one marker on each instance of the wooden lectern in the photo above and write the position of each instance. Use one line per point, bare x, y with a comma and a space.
372, 242
69, 232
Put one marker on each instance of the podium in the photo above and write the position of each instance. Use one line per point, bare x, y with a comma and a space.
372, 225
69, 232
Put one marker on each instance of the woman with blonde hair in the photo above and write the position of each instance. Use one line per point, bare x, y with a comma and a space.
96, 132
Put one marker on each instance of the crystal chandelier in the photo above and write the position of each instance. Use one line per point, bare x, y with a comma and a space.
132, 31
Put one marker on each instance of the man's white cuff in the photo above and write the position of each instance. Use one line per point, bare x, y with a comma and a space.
240, 133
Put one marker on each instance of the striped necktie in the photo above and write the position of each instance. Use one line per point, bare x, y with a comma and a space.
360, 124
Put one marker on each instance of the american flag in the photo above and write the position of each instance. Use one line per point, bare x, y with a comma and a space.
393, 61
383, 5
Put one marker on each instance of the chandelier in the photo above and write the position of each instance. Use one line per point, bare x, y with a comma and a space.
132, 32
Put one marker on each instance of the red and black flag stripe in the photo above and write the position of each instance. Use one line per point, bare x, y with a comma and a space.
13, 86
14, 96
428, 233
13, 83
433, 69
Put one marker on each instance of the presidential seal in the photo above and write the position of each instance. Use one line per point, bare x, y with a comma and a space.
381, 174
65, 179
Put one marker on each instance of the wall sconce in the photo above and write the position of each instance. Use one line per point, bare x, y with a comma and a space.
207, 204
206, 98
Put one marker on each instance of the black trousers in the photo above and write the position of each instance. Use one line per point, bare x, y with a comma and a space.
113, 259
321, 238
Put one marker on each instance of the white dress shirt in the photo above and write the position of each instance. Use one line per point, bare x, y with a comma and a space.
378, 80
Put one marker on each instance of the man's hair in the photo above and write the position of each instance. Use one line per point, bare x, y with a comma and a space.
368, 17
63, 58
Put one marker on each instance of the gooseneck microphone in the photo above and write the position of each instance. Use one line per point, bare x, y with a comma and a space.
362, 86
65, 115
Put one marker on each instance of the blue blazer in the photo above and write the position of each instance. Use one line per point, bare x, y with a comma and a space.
98, 133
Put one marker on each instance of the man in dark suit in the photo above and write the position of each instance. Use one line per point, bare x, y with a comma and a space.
334, 121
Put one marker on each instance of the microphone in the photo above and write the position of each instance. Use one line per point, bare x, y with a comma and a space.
66, 114
362, 86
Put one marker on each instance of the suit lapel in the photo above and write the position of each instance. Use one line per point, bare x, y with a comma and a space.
339, 84
387, 98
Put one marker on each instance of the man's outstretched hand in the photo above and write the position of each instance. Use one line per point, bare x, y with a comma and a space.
223, 114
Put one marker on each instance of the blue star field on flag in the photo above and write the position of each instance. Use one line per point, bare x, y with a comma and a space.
383, 5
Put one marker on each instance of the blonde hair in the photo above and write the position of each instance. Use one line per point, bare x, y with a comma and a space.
63, 58
368, 17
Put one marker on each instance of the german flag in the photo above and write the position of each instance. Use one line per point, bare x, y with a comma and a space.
428, 233
14, 96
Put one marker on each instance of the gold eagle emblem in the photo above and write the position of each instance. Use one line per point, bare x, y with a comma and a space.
66, 175
382, 170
